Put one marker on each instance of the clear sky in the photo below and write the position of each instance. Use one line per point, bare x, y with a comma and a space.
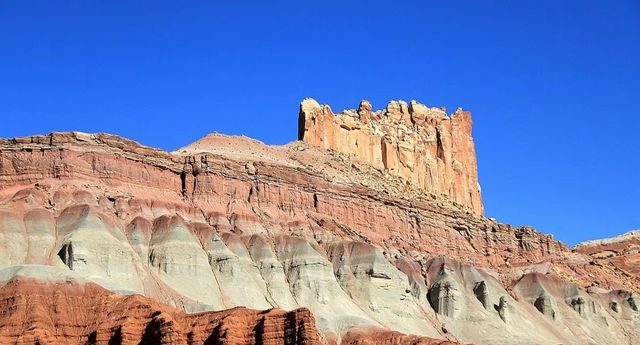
553, 86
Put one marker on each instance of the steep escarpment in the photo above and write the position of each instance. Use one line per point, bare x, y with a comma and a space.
229, 222
424, 146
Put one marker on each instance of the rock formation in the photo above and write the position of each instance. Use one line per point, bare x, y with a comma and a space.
444, 295
424, 146
503, 308
69, 313
543, 304
622, 251
371, 337
228, 222
480, 290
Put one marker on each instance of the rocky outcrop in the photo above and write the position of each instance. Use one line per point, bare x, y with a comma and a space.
503, 308
444, 296
482, 294
424, 146
34, 312
623, 252
380, 337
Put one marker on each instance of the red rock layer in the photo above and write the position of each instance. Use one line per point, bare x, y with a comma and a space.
33, 312
381, 337
622, 252
422, 145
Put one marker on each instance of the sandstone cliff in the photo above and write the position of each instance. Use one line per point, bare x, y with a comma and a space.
228, 222
424, 146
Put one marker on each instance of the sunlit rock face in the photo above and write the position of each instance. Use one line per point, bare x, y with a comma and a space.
379, 288
93, 246
14, 240
622, 251
178, 259
312, 283
239, 278
426, 147
75, 313
228, 222
271, 271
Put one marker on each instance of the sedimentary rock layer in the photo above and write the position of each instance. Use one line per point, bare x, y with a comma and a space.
229, 222
34, 312
424, 146
622, 251
373, 336
46, 313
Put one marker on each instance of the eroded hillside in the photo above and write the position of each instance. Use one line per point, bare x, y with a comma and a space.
228, 222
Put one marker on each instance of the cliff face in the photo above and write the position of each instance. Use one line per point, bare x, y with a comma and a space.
228, 222
422, 145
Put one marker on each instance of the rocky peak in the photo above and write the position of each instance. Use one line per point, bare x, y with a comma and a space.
427, 148
364, 111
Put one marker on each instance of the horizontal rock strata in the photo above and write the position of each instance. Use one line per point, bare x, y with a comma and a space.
228, 222
622, 251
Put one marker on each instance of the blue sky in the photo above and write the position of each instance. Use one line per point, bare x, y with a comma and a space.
553, 86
